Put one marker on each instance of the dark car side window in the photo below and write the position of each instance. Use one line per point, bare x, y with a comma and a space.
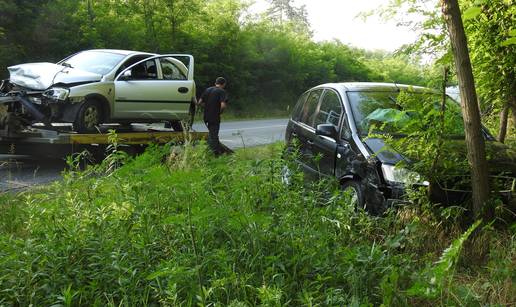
145, 71
133, 60
330, 110
296, 114
308, 113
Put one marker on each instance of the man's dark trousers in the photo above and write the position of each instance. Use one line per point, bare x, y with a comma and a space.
213, 138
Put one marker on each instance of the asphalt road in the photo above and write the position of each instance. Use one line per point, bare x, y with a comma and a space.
20, 172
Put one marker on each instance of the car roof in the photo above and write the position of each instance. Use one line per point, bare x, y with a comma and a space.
120, 51
373, 86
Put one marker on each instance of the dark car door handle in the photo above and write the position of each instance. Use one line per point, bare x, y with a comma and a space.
310, 142
183, 90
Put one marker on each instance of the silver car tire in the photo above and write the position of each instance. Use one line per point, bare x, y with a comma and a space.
89, 117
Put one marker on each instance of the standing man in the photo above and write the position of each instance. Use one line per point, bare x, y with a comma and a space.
214, 100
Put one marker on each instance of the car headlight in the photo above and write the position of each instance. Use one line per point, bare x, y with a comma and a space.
401, 175
57, 93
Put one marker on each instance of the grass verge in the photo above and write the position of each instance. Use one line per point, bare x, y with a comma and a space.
178, 227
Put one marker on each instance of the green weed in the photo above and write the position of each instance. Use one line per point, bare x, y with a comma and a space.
176, 226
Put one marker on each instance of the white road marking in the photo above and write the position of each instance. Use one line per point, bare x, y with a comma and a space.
254, 128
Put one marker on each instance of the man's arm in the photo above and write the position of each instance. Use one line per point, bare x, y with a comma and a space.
203, 98
223, 102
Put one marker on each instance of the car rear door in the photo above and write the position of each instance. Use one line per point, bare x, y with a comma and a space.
304, 131
160, 87
324, 148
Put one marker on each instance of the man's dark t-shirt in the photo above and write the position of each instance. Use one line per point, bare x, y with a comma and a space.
212, 99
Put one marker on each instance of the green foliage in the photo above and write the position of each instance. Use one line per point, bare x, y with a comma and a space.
472, 12
158, 231
489, 27
438, 277
493, 55
269, 60
417, 125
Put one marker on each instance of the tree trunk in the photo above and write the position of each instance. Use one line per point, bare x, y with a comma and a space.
472, 125
173, 21
512, 106
91, 15
504, 116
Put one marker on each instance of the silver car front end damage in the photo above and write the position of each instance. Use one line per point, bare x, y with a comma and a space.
55, 93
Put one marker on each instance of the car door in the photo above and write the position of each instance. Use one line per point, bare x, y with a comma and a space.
304, 130
160, 88
324, 148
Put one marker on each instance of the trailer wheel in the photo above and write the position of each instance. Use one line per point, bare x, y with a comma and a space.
89, 117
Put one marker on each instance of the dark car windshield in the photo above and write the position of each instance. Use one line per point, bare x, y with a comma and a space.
98, 62
398, 112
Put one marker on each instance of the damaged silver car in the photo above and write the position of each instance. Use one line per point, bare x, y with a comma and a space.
97, 87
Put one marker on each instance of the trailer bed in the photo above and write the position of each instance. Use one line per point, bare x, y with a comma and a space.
55, 143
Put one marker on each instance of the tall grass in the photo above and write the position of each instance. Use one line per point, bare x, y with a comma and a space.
227, 231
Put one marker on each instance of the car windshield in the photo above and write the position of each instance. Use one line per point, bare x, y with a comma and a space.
397, 113
98, 62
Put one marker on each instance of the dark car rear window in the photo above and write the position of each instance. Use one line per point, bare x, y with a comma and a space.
309, 110
296, 114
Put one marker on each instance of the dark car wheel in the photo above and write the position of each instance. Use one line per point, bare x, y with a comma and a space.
191, 112
356, 193
176, 125
89, 117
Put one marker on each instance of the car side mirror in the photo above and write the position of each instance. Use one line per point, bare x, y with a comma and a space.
127, 75
327, 130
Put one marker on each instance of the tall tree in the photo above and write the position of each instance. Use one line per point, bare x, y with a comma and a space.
470, 110
177, 12
283, 11
492, 36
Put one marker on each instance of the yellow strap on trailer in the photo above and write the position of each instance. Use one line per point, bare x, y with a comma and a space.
137, 138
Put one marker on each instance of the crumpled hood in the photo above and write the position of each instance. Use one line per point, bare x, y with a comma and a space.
378, 148
501, 158
41, 76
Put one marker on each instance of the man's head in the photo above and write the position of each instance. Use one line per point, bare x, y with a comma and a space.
220, 82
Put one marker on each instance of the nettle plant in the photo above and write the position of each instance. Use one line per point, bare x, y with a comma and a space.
426, 128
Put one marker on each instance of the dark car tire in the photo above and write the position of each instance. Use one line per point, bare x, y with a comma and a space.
191, 112
176, 125
90, 116
357, 193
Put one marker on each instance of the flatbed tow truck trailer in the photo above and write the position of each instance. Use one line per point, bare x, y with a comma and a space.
52, 143
45, 139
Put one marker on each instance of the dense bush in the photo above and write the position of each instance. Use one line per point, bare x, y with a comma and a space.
177, 227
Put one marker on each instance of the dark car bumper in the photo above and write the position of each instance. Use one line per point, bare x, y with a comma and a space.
453, 196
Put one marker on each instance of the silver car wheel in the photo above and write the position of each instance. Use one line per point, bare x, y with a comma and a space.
91, 117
